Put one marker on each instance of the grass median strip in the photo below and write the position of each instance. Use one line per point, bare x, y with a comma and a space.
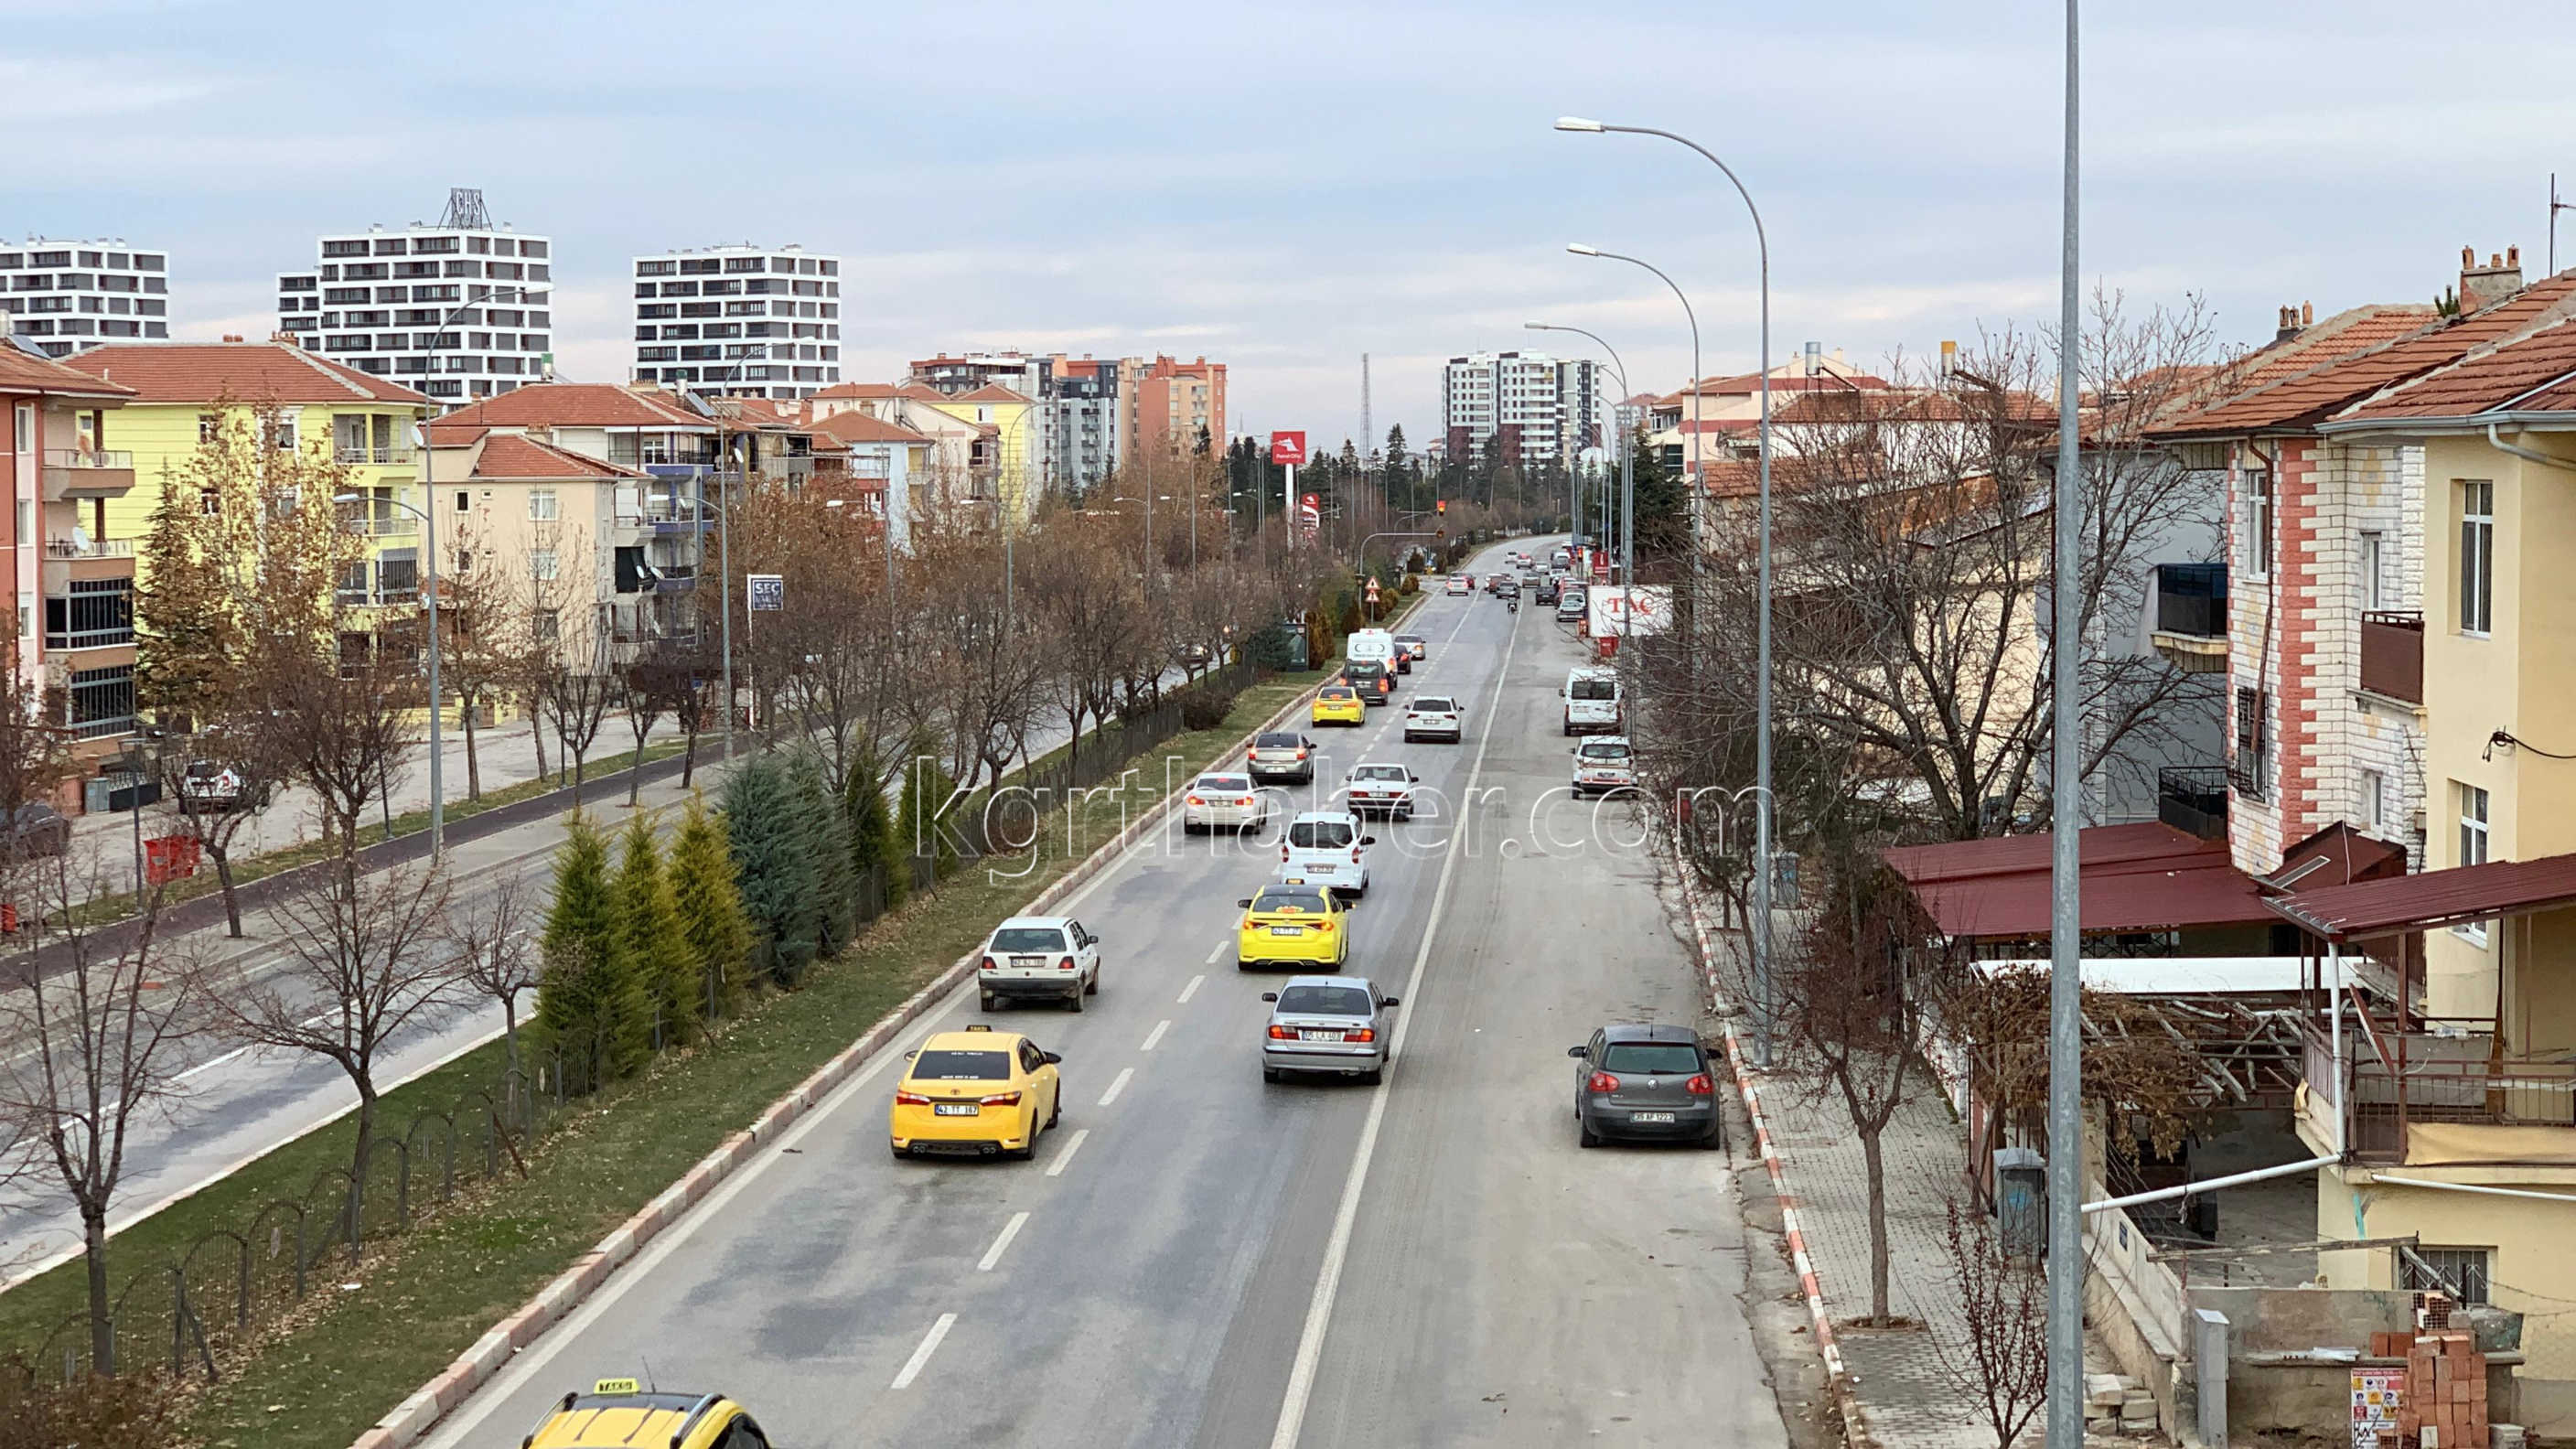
425, 1297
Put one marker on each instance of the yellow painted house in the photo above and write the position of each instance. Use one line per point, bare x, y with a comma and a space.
1017, 444
364, 422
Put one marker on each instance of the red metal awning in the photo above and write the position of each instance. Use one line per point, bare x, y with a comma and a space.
2433, 898
2147, 877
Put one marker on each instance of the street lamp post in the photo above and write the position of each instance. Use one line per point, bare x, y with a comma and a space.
1627, 461
1628, 545
437, 812
1762, 629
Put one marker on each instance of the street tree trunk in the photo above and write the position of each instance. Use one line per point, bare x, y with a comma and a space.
102, 1329
473, 762
1878, 1263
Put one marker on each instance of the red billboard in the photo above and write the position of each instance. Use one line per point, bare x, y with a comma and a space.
1288, 449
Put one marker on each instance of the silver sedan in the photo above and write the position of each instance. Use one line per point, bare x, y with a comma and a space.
1327, 1024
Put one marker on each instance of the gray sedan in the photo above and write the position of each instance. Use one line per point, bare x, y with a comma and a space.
1331, 1024
1646, 1083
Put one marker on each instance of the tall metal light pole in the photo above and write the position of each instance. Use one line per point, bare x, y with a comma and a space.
1627, 463
1628, 545
1762, 629
2066, 817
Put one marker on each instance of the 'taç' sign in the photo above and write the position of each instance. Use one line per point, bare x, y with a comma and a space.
1288, 449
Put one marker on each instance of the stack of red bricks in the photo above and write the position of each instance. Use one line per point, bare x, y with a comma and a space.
2445, 1406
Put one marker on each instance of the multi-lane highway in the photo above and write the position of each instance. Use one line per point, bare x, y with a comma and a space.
1199, 1258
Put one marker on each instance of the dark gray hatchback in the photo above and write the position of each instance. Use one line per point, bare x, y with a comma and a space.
1646, 1083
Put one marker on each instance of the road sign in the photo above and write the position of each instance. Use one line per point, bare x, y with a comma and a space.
1372, 588
768, 592
1288, 449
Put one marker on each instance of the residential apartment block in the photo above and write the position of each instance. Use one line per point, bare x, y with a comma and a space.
1093, 415
1537, 409
62, 296
739, 321
460, 310
1170, 405
69, 581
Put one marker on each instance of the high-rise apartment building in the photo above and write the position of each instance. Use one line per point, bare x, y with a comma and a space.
1174, 404
460, 310
739, 321
62, 296
1544, 409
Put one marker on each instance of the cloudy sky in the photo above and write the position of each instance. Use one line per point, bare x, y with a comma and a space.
1285, 187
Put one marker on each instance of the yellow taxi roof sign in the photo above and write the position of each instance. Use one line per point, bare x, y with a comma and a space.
617, 1386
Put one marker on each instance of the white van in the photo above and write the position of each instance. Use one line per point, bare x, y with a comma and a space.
1375, 646
1593, 704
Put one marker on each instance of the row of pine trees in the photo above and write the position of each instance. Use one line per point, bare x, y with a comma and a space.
647, 944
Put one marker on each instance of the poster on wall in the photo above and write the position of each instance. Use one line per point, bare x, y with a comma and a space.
2375, 1396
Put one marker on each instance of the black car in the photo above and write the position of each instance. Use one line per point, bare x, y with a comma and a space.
1374, 681
1547, 590
1646, 1083
1507, 587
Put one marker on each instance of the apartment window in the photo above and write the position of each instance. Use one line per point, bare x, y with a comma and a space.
549, 624
464, 502
2252, 740
2454, 1270
2374, 799
542, 567
26, 616
2258, 520
26, 521
26, 427
542, 508
2473, 824
2374, 593
209, 425
2477, 557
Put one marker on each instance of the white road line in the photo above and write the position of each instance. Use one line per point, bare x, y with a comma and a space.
1117, 1086
1155, 1035
921, 1356
1072, 1145
1211, 960
1193, 988
993, 1254
1328, 1279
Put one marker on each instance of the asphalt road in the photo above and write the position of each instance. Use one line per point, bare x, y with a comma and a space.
1196, 1257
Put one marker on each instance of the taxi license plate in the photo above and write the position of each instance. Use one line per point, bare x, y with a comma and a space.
1664, 1117
967, 1109
1287, 930
1319, 1036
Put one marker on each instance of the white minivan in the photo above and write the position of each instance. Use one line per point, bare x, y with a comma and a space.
1374, 646
1327, 848
1592, 702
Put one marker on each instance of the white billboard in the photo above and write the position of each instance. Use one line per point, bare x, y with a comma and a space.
1630, 611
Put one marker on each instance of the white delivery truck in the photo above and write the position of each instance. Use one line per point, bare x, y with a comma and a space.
1592, 702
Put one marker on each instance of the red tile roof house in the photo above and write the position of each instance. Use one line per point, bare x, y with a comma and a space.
2325, 622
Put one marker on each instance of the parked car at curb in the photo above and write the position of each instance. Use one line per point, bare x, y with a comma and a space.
1604, 765
1642, 1082
1327, 1024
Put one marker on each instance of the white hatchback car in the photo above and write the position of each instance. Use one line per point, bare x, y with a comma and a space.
1382, 790
1223, 802
1604, 765
1046, 958
1432, 717
1326, 848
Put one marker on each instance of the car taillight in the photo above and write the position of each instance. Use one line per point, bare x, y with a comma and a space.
1701, 1085
1003, 1099
910, 1099
1195, 800
1283, 850
1355, 854
1601, 1082
1301, 754
1365, 1033
1281, 1033
1065, 965
1323, 925
1246, 801
989, 964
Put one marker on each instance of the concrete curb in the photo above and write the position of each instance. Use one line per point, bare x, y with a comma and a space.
478, 1365
1838, 1378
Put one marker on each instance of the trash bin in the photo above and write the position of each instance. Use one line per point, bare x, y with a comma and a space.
2021, 1201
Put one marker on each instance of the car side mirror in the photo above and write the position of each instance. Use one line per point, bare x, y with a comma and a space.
1388, 1003
1245, 903
1270, 996
1050, 1058
908, 1056
1578, 1053
1368, 840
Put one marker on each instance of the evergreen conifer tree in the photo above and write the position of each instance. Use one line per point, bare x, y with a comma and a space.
870, 824
827, 835
773, 867
710, 909
591, 1004
650, 920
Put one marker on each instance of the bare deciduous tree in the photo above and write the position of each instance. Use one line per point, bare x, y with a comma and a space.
495, 950
1999, 1360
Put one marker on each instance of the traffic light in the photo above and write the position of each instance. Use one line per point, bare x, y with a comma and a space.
1440, 506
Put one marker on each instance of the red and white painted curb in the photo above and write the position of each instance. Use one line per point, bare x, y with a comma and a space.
1838, 1378
414, 1417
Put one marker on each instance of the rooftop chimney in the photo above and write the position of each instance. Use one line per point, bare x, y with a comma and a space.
2288, 325
2481, 286
232, 337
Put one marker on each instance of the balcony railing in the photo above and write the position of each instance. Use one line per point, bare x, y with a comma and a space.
2392, 654
2394, 1081
349, 453
2193, 798
89, 548
94, 729
90, 638
87, 458
398, 526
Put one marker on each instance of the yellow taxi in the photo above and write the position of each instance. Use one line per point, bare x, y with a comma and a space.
617, 1413
1293, 925
1338, 704
976, 1093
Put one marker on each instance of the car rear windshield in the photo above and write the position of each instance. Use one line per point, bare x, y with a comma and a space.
1028, 938
1222, 784
1408, 638
1660, 1058
1319, 834
1595, 689
1363, 669
1324, 1001
1434, 705
962, 1067
1598, 751
1334, 694
1289, 898
1378, 772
